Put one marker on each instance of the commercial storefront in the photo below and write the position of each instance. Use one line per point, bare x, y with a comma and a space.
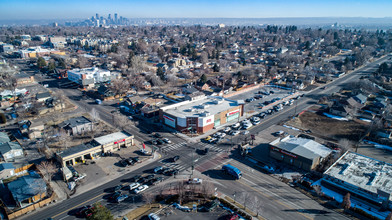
200, 115
95, 148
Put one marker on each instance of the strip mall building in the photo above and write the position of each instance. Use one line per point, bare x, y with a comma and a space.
200, 115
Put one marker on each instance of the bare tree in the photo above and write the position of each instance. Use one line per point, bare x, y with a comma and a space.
207, 189
346, 204
345, 145
180, 190
120, 121
119, 86
94, 115
47, 169
64, 138
148, 198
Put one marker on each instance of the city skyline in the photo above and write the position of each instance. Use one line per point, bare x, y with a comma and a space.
44, 9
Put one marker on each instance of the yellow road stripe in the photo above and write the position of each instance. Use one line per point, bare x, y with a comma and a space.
78, 205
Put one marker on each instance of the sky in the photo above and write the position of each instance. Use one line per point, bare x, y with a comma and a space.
67, 9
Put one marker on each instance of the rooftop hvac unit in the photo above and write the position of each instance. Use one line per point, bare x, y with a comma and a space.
217, 101
204, 114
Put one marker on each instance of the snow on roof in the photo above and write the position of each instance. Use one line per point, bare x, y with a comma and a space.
112, 137
303, 147
364, 172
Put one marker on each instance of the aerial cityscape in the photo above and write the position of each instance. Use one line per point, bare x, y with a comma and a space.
117, 110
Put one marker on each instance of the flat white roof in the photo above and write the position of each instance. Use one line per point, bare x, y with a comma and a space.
301, 146
88, 71
112, 137
364, 172
196, 108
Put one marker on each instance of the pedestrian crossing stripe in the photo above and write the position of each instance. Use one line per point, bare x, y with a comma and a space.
178, 145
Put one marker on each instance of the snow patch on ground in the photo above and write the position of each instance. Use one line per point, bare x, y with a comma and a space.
286, 126
335, 117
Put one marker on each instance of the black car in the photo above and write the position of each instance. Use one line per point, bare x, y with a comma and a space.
155, 181
135, 178
124, 163
165, 169
117, 188
154, 142
130, 161
160, 142
148, 178
115, 195
175, 158
157, 135
206, 150
136, 159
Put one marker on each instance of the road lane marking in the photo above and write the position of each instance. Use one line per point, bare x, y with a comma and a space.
269, 197
78, 205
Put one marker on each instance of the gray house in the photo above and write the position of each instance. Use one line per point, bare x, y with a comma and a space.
7, 170
10, 150
4, 138
27, 190
77, 125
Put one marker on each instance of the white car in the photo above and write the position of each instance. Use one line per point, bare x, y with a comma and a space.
246, 121
255, 118
217, 134
134, 186
227, 129
234, 133
212, 140
247, 126
130, 117
195, 181
256, 122
236, 125
140, 189
245, 132
166, 140
222, 135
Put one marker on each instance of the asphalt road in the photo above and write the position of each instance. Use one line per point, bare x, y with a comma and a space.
282, 202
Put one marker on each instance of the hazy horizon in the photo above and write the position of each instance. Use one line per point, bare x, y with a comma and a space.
73, 9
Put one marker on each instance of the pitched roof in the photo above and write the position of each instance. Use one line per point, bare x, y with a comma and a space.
5, 166
26, 187
8, 146
4, 137
74, 122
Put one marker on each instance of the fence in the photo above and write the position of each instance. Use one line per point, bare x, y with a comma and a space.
30, 208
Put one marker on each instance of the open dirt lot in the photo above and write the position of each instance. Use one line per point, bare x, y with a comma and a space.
328, 128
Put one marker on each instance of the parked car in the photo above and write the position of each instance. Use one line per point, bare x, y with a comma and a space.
255, 122
234, 133
153, 216
158, 169
121, 198
227, 129
130, 161
114, 195
140, 189
124, 163
217, 134
175, 158
194, 181
171, 172
81, 211
130, 117
212, 140
135, 159
157, 135
222, 135
134, 186
207, 138
236, 125
154, 142
245, 132
155, 181
166, 140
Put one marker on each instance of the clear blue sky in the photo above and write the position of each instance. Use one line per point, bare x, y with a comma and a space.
38, 9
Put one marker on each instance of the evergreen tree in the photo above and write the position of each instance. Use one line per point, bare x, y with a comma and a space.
41, 63
51, 66
203, 78
100, 212
160, 73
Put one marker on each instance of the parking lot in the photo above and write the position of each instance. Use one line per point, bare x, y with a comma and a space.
253, 98
172, 213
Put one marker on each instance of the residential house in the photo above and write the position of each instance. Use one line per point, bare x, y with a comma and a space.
23, 79
202, 86
360, 98
339, 110
43, 96
35, 130
27, 190
77, 125
10, 150
7, 170
4, 138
